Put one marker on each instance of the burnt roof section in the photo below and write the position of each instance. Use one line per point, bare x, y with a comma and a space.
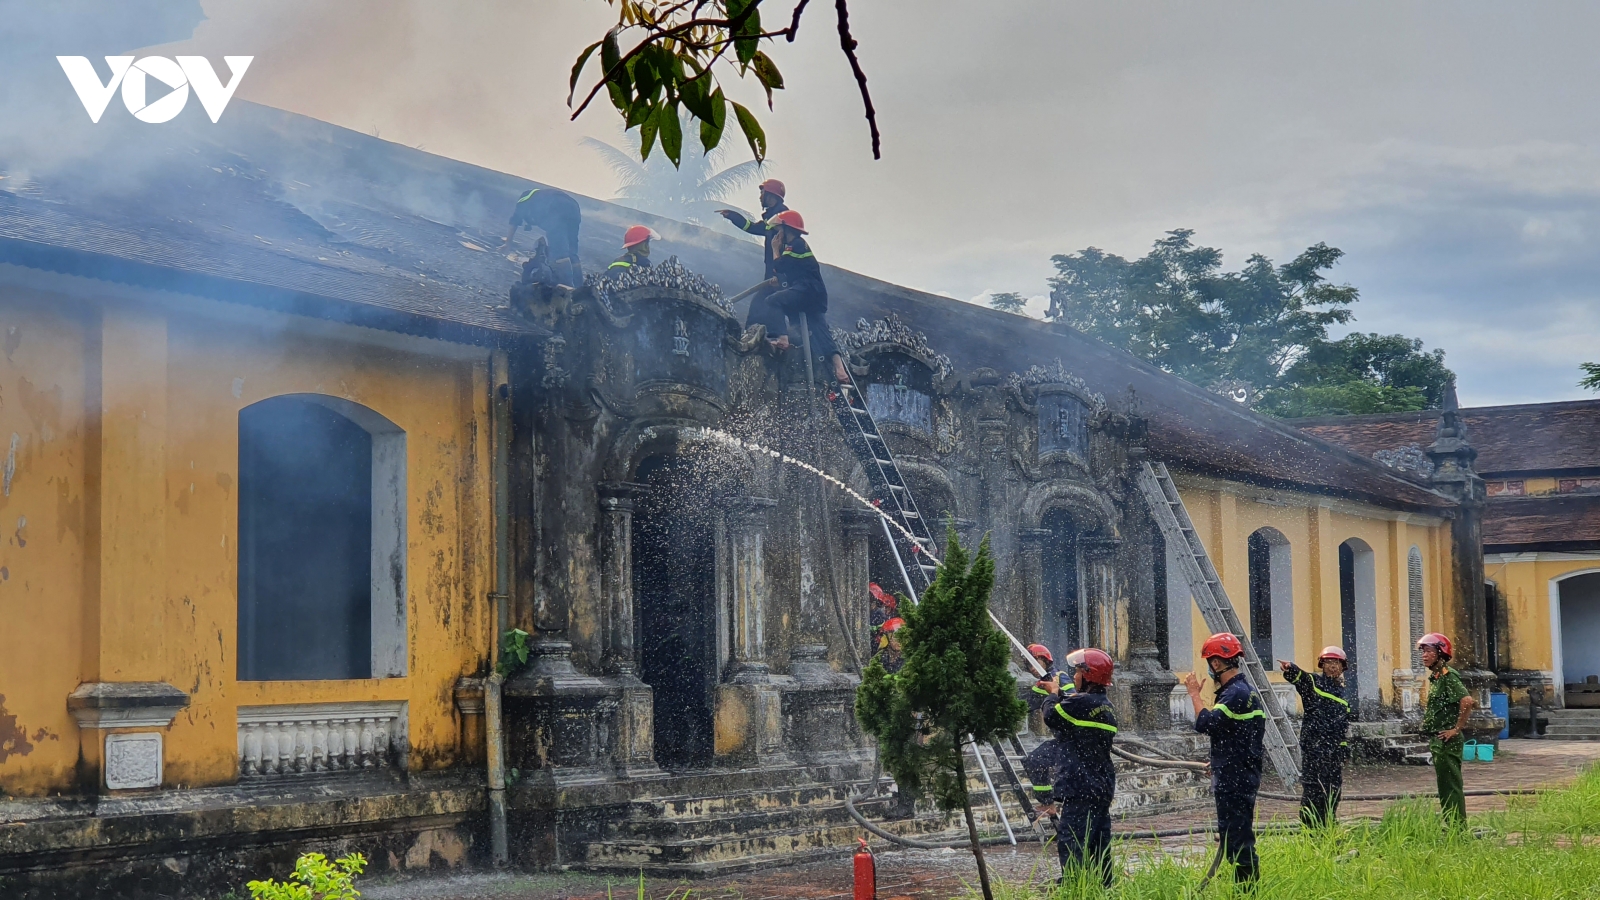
277, 209
1542, 523
1518, 439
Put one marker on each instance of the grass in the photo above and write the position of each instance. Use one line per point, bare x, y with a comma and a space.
1545, 847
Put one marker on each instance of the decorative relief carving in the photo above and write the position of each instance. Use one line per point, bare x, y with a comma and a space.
1057, 374
1410, 459
890, 330
133, 761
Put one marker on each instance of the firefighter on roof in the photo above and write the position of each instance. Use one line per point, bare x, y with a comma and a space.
1084, 725
1322, 734
1236, 724
635, 251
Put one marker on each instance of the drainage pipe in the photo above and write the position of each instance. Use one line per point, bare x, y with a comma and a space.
500, 466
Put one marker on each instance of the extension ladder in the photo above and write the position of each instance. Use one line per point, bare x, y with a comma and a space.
1173, 519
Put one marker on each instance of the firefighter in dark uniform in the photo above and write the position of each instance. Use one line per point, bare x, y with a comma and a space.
1236, 724
772, 194
1041, 762
1084, 725
558, 216
635, 251
798, 279
1322, 735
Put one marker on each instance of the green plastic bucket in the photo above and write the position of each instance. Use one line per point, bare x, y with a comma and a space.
1469, 751
1486, 753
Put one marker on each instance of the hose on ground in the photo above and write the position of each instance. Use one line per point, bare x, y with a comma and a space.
891, 837
1358, 798
1159, 763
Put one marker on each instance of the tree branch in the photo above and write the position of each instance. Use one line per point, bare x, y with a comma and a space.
794, 24
848, 43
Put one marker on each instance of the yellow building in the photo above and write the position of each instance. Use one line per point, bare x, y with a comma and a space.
1541, 537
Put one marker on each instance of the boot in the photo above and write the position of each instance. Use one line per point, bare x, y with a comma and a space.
753, 337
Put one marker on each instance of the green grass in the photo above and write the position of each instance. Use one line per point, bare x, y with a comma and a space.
1545, 847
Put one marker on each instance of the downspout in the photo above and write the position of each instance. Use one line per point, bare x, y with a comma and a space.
500, 450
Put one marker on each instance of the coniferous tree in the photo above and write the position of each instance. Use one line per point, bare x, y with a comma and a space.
953, 687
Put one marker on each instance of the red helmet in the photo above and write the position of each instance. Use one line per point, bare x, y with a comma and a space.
1333, 653
1224, 645
771, 186
1096, 664
1438, 642
792, 219
638, 234
893, 625
881, 595
1042, 651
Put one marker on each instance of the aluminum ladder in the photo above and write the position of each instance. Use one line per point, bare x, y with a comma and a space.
893, 497
1166, 506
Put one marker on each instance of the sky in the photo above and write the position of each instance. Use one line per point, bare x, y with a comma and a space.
1449, 148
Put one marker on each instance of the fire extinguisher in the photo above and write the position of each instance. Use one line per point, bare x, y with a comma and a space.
866, 873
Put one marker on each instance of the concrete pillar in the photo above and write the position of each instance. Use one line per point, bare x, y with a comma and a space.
1106, 603
747, 535
616, 575
858, 526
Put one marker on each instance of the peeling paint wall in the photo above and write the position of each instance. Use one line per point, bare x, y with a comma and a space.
120, 522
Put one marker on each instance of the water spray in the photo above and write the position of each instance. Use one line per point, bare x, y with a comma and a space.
725, 438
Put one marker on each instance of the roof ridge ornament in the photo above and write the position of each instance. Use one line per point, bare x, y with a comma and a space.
1055, 374
890, 330
669, 273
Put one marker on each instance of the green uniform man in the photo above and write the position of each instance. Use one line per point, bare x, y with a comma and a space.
1449, 705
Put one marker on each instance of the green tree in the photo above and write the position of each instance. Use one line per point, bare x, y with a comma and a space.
1008, 301
954, 686
678, 51
1591, 376
1357, 374
689, 192
1265, 325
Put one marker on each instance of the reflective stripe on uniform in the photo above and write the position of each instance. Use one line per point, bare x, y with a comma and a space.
793, 255
1252, 714
524, 197
1082, 724
1040, 690
1322, 693
625, 265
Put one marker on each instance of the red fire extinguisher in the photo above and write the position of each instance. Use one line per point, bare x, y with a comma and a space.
866, 873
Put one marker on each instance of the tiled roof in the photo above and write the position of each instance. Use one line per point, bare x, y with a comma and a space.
273, 208
1522, 439
1542, 523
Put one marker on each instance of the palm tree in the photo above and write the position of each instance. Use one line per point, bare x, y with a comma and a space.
690, 192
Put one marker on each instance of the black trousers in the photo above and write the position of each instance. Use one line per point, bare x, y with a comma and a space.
1236, 820
1083, 836
777, 309
1320, 786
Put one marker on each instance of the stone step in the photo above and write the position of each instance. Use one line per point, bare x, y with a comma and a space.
728, 853
1570, 715
679, 828
740, 801
1584, 732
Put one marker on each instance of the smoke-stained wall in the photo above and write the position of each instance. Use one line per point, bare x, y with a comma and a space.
120, 411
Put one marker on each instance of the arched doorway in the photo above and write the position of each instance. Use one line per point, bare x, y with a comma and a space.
675, 527
1064, 617
1577, 602
1271, 595
1358, 621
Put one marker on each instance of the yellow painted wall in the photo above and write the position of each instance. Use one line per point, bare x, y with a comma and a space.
125, 570
1524, 580
1225, 515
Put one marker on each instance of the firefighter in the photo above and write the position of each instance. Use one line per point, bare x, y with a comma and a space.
635, 251
1084, 725
772, 194
1236, 724
1449, 706
1042, 761
557, 214
888, 649
1322, 734
798, 277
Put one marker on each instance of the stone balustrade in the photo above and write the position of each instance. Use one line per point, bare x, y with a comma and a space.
308, 738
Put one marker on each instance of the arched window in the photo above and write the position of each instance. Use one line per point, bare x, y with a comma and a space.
1271, 595
1358, 619
321, 541
1414, 598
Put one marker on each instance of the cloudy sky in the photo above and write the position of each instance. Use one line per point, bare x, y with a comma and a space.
1448, 147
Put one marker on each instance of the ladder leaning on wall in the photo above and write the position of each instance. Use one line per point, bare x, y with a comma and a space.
1173, 519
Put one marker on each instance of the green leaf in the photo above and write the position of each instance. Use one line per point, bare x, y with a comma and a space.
647, 133
711, 126
767, 73
671, 132
616, 83
752, 131
745, 43
645, 82
637, 113
577, 69
695, 92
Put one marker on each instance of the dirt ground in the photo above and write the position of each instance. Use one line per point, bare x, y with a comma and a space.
938, 874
